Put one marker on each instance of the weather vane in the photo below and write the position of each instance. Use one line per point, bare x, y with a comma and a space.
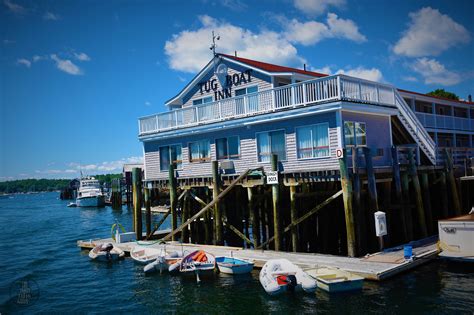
213, 46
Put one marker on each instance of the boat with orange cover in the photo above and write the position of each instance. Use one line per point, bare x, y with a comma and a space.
198, 263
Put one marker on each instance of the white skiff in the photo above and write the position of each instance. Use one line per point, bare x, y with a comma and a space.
281, 275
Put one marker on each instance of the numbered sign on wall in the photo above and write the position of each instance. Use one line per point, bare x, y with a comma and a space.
272, 177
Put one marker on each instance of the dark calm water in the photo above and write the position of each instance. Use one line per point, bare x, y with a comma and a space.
38, 247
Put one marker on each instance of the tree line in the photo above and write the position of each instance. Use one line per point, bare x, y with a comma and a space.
41, 185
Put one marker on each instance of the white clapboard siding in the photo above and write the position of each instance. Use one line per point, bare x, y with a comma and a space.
262, 85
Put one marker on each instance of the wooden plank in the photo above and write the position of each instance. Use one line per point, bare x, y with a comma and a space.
240, 234
276, 206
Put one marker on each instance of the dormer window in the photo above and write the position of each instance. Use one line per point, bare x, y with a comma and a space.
203, 100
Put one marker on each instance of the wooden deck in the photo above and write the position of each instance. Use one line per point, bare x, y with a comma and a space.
367, 268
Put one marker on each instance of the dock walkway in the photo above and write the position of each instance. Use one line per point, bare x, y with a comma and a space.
378, 266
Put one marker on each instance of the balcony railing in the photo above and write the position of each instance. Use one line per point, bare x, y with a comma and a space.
312, 92
445, 122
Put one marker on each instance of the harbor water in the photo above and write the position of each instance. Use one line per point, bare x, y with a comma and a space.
42, 270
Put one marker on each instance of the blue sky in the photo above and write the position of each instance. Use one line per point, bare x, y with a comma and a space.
76, 75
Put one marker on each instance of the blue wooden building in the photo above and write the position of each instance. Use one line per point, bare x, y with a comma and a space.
240, 111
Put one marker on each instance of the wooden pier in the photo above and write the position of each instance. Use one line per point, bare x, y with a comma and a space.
378, 266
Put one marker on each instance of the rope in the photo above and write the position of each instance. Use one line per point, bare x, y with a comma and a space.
116, 225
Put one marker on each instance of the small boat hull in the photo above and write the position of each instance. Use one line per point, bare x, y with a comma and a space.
98, 254
163, 263
336, 280
281, 275
146, 255
96, 201
234, 266
198, 263
456, 237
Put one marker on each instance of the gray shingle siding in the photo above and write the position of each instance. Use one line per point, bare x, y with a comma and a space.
248, 148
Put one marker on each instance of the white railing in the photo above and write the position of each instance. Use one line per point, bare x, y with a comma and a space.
445, 122
419, 132
312, 92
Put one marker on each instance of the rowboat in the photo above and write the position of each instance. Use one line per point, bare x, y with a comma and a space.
281, 275
146, 254
198, 263
106, 252
163, 262
335, 280
234, 266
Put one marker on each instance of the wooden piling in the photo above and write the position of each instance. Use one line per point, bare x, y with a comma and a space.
349, 215
173, 201
418, 198
452, 184
252, 216
276, 201
427, 202
407, 209
444, 195
359, 217
137, 201
398, 193
294, 216
185, 217
146, 194
217, 210
371, 184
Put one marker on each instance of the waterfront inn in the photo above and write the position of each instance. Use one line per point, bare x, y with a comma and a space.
239, 112
279, 142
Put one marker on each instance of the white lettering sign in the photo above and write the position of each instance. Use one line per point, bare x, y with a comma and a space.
339, 153
272, 177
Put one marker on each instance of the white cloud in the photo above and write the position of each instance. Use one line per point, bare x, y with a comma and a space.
189, 51
434, 72
236, 5
147, 103
55, 172
24, 62
82, 56
108, 166
430, 33
410, 78
51, 16
317, 7
312, 32
372, 74
323, 70
66, 65
347, 29
13, 7
307, 33
37, 58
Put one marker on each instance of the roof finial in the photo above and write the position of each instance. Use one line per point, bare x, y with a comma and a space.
213, 46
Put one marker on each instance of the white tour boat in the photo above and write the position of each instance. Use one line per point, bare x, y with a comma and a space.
89, 193
456, 238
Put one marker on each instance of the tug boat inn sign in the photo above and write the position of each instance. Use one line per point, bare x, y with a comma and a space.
226, 82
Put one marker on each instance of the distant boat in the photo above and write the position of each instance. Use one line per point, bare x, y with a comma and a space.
146, 254
89, 193
106, 252
335, 280
231, 265
198, 263
281, 275
456, 238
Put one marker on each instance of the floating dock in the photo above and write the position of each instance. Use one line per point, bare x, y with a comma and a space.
378, 266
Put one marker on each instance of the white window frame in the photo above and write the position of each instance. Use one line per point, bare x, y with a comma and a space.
256, 145
201, 160
317, 157
229, 158
355, 134
170, 145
